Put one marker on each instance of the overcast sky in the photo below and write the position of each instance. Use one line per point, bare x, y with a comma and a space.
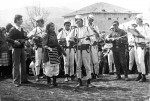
138, 5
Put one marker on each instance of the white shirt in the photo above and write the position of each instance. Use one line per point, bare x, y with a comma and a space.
80, 33
38, 31
145, 31
63, 34
93, 38
17, 27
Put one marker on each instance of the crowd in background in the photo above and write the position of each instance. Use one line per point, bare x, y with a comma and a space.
37, 58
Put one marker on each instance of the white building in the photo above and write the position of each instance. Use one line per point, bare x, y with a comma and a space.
104, 14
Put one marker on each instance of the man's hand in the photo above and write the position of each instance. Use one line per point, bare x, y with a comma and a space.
87, 38
16, 42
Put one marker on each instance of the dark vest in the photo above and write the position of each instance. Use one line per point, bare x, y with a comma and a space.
17, 35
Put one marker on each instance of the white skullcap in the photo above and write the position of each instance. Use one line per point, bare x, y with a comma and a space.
78, 17
139, 16
66, 20
38, 18
91, 16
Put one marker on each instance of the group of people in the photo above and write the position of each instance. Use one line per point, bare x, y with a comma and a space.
79, 46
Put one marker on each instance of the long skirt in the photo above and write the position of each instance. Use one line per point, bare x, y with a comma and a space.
4, 59
51, 68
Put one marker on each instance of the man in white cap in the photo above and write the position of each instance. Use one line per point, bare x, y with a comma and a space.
93, 30
68, 47
36, 34
140, 46
83, 49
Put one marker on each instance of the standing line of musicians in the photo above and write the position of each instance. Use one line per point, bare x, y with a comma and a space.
78, 45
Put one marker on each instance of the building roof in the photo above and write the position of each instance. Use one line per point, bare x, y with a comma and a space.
101, 7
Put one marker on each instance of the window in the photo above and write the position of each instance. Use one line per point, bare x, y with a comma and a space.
125, 18
109, 18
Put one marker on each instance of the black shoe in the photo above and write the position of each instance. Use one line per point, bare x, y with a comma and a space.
72, 77
54, 81
118, 77
48, 80
143, 78
89, 83
17, 85
139, 77
111, 73
79, 83
26, 82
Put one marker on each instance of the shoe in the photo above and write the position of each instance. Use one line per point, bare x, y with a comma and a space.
26, 82
143, 79
48, 80
37, 80
89, 83
126, 79
66, 79
54, 81
139, 77
72, 78
79, 83
17, 85
118, 77
111, 73
69, 79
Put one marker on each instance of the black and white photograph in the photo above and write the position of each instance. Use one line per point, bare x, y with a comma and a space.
75, 50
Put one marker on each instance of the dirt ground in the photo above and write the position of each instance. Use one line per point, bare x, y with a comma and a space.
106, 89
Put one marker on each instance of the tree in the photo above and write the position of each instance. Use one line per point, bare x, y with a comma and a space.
32, 13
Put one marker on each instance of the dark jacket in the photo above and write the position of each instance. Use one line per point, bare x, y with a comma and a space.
51, 41
3, 44
122, 42
15, 34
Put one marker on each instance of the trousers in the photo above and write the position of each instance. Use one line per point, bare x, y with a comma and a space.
83, 57
19, 65
139, 59
120, 60
94, 60
38, 60
69, 61
111, 62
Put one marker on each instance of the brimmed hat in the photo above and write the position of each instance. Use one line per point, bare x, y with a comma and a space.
91, 16
38, 18
78, 17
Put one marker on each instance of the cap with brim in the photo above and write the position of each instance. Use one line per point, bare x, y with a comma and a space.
39, 18
91, 16
139, 16
78, 17
67, 22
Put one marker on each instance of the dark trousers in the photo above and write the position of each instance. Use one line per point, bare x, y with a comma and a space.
28, 61
120, 60
19, 65
10, 63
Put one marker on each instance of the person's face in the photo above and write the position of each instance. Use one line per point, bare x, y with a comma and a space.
139, 21
20, 21
40, 23
52, 27
115, 26
90, 20
79, 22
67, 26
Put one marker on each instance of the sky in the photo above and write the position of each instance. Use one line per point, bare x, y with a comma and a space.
137, 5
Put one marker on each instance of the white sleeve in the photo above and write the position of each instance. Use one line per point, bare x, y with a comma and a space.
32, 33
147, 33
97, 29
71, 34
59, 34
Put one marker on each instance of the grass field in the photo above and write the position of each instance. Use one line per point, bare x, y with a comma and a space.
106, 89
